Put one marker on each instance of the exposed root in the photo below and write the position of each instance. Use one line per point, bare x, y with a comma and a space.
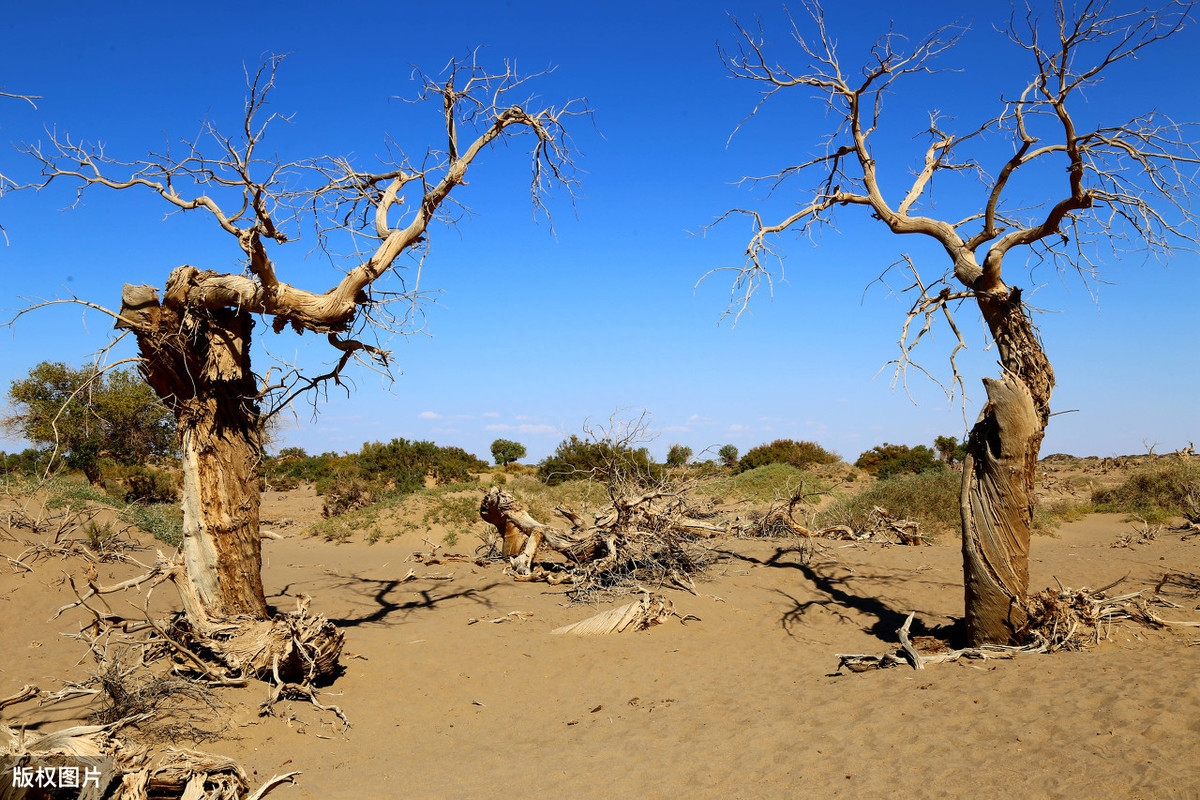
914, 656
1069, 619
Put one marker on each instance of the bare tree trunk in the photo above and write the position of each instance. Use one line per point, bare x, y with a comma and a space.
998, 476
199, 362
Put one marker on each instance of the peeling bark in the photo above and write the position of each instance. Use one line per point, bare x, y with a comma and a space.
998, 476
198, 362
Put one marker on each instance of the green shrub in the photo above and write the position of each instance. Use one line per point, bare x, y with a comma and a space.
506, 451
164, 521
950, 450
581, 459
678, 455
786, 451
763, 484
1048, 516
728, 455
885, 460
148, 485
293, 466
930, 498
1156, 491
345, 492
29, 462
405, 464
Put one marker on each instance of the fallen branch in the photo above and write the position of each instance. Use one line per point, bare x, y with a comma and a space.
651, 610
26, 692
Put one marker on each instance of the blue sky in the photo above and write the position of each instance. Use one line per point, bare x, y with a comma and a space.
536, 331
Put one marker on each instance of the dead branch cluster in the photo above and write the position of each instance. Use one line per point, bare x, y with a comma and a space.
129, 773
652, 532
293, 652
1061, 619
641, 537
780, 520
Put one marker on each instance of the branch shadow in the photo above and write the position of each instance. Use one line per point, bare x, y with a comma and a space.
376, 594
837, 595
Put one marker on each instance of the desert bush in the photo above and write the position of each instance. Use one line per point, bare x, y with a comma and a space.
950, 450
405, 464
763, 484
29, 462
292, 466
345, 492
728, 455
147, 485
1156, 491
163, 521
930, 498
885, 460
678, 455
786, 451
1048, 516
506, 451
582, 459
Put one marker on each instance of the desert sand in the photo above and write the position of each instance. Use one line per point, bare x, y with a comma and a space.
455, 687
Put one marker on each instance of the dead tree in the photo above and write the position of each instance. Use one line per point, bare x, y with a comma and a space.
644, 533
194, 336
1131, 182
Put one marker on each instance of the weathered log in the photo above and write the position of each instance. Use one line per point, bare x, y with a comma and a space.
524, 535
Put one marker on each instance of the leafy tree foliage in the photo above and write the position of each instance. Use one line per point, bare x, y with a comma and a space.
786, 451
88, 415
506, 451
27, 462
885, 460
678, 455
728, 455
950, 450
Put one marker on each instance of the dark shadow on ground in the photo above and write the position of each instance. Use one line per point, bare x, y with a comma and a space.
376, 594
836, 593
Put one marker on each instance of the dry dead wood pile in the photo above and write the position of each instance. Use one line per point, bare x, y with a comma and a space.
91, 762
1061, 619
295, 645
641, 536
780, 520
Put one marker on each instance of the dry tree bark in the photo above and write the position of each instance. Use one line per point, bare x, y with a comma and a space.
195, 337
1132, 181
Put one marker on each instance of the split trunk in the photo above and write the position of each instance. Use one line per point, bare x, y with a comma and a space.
998, 476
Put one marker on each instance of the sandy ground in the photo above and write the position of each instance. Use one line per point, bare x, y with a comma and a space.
745, 702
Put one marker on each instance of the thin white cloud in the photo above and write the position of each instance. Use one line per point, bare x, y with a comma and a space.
429, 415
491, 414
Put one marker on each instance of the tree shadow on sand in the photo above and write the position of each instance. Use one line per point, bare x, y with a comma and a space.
836, 595
376, 596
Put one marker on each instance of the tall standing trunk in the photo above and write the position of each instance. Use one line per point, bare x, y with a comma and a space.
998, 475
198, 361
